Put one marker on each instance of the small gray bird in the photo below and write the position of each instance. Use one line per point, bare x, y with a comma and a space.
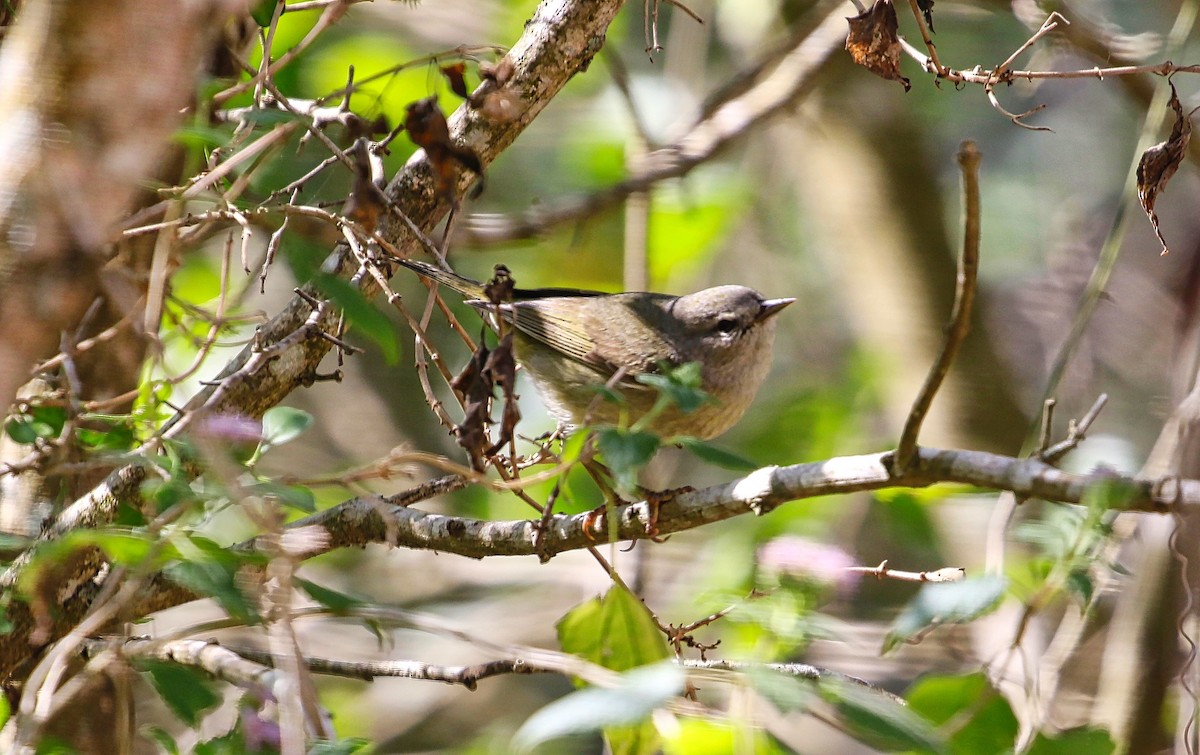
572, 341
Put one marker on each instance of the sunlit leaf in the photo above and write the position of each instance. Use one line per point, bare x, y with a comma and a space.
615, 631
983, 721
638, 694
1081, 741
282, 424
945, 603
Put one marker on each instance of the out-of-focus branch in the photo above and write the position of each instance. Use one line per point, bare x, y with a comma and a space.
743, 109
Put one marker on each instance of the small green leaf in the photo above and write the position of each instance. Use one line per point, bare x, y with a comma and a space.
879, 721
1080, 584
945, 603
337, 747
124, 548
263, 11
1112, 494
626, 452
680, 385
714, 455
337, 602
615, 631
362, 315
282, 424
635, 697
186, 691
161, 738
211, 570
1081, 741
21, 430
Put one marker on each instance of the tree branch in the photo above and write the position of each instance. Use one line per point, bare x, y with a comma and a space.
559, 41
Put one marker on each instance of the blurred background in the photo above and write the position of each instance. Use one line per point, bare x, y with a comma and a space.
849, 201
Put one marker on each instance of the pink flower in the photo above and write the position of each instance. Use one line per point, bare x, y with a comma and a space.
802, 559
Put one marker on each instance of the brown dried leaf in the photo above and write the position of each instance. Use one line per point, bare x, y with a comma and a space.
426, 126
926, 7
499, 72
366, 202
500, 288
455, 74
1161, 161
873, 42
502, 370
474, 385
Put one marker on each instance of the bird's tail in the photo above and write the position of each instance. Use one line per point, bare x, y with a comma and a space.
465, 286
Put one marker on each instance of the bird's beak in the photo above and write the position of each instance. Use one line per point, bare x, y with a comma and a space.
772, 307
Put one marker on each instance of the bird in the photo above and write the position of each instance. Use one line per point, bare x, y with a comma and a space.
573, 342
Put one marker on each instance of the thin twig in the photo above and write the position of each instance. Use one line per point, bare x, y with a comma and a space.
960, 312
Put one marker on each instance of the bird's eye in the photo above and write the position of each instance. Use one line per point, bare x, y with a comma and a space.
727, 325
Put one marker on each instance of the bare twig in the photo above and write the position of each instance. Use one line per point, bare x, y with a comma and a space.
883, 571
960, 313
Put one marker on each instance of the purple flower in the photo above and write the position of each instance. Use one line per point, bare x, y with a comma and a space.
231, 428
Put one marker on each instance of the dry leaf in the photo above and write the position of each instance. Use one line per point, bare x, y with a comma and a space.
873, 42
1160, 162
926, 7
426, 126
455, 74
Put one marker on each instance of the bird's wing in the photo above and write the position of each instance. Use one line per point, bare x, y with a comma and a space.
560, 327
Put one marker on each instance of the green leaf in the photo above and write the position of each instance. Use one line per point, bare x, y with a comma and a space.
1111, 494
337, 602
211, 570
615, 631
635, 697
945, 603
704, 736
296, 496
714, 455
186, 691
21, 430
124, 548
1081, 741
232, 742
625, 452
879, 721
338, 746
1080, 584
161, 738
51, 745
983, 720
361, 314
283, 424
263, 11
786, 692
680, 385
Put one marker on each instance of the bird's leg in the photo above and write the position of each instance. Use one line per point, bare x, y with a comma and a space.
654, 501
